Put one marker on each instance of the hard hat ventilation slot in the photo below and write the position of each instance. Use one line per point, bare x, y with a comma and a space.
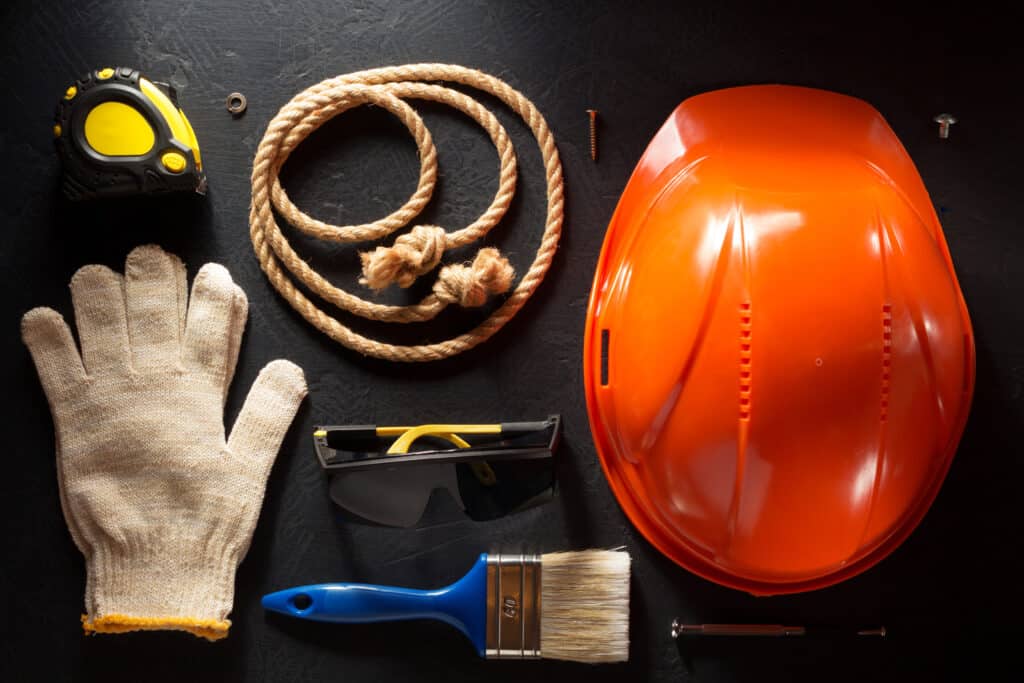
746, 372
886, 360
604, 357
968, 365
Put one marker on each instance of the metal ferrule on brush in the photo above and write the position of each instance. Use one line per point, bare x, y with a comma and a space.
513, 606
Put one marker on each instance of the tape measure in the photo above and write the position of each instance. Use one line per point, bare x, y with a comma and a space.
118, 133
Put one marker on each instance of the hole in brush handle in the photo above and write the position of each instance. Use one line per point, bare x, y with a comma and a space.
301, 602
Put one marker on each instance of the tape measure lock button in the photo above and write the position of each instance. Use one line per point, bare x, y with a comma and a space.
173, 162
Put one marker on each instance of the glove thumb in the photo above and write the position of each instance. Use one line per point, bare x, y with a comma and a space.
267, 414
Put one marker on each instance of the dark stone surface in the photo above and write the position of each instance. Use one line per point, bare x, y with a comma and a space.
945, 594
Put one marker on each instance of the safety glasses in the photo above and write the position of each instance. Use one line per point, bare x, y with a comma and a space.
393, 476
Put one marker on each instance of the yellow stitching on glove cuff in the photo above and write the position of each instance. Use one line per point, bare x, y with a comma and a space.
211, 629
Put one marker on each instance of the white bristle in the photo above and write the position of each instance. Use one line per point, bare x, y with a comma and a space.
584, 608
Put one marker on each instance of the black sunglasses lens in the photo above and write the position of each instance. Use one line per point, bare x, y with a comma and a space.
389, 497
490, 489
422, 495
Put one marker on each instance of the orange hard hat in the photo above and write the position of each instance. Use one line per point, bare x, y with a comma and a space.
778, 359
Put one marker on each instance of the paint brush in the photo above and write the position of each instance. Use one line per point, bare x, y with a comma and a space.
570, 605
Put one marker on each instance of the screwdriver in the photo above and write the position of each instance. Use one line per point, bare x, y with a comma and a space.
765, 630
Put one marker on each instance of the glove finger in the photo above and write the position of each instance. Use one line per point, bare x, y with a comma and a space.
181, 287
53, 350
239, 314
152, 278
267, 414
208, 330
97, 293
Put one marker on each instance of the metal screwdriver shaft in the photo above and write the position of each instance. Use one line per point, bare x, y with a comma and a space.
762, 630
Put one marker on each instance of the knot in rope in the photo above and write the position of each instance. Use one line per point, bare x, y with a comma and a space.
469, 286
413, 254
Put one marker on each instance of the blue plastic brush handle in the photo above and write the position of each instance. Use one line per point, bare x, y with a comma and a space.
463, 604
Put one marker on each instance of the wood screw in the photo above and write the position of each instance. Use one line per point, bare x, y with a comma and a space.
593, 133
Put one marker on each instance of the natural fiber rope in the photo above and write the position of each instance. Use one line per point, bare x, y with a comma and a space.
419, 250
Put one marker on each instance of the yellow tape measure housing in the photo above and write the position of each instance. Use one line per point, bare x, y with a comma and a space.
118, 133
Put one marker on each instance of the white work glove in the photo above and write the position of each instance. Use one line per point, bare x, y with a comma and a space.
160, 503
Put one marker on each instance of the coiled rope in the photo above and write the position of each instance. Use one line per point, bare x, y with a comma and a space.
419, 250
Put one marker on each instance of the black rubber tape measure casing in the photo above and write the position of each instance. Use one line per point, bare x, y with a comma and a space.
119, 134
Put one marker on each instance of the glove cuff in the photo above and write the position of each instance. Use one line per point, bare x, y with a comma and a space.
210, 629
164, 585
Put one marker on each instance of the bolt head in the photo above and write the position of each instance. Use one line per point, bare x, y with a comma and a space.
947, 119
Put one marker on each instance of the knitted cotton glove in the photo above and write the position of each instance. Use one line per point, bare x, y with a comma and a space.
160, 503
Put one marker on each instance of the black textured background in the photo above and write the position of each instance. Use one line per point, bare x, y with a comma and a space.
945, 595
